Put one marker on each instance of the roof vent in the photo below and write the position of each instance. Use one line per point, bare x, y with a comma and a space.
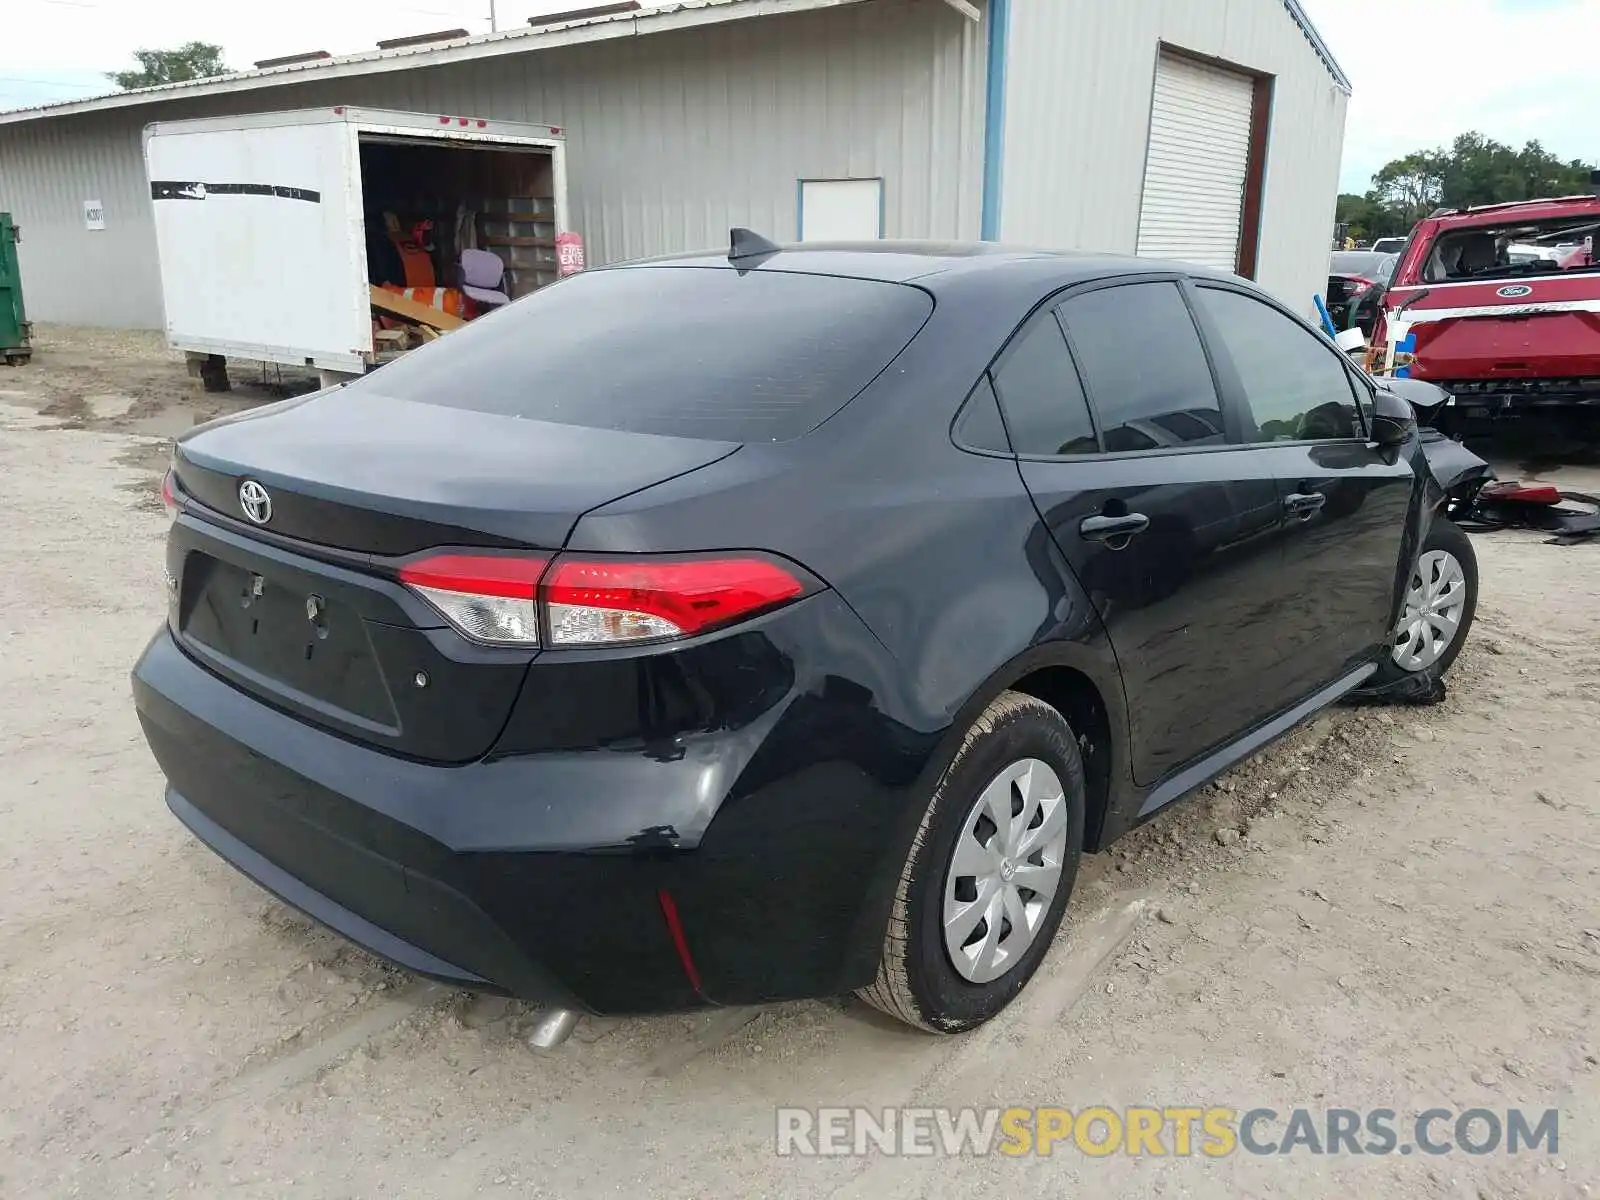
585, 14
422, 39
289, 60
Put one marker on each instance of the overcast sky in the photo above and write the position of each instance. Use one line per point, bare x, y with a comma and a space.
1424, 70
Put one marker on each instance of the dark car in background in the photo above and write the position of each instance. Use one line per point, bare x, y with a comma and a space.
1356, 279
741, 627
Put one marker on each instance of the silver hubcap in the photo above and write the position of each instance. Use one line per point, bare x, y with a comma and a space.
1006, 868
1434, 605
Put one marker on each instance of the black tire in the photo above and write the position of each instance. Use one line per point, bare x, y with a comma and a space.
1443, 535
917, 981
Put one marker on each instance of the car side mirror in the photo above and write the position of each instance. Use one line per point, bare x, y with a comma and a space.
1393, 419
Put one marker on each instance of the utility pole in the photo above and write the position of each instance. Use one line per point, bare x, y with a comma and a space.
494, 21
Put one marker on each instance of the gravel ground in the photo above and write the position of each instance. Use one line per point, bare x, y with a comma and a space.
1392, 907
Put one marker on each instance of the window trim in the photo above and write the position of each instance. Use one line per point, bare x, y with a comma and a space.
1050, 301
1043, 313
1241, 398
1230, 393
955, 422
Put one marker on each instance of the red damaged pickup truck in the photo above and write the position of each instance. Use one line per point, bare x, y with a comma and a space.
1504, 302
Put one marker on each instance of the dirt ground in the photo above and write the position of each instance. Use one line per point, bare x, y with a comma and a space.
1407, 918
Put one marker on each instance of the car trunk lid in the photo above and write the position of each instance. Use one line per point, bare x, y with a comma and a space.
304, 609
356, 470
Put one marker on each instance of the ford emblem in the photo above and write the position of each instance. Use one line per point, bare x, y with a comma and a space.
1515, 290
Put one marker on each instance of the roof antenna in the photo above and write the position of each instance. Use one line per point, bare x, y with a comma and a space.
745, 243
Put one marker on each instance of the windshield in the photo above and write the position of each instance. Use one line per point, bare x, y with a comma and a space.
695, 352
1547, 247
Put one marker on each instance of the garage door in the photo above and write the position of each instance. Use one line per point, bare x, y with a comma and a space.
1197, 162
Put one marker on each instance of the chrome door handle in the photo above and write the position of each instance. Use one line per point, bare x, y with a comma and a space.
1304, 505
1109, 529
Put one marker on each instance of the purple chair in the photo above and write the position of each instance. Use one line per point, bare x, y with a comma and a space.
481, 273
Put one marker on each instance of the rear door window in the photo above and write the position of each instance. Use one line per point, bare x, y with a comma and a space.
723, 355
1145, 368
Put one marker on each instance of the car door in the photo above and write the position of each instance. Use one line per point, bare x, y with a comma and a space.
1122, 441
1346, 502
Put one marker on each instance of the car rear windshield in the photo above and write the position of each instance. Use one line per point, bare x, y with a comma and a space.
694, 352
1363, 262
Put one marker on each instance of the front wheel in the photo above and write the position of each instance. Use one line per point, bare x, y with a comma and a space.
988, 874
1440, 600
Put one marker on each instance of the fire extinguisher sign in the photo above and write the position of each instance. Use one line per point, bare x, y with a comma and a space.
569, 253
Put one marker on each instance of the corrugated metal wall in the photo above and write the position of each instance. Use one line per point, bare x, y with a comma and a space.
1079, 85
672, 139
47, 170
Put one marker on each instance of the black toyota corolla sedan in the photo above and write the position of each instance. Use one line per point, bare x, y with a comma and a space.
781, 622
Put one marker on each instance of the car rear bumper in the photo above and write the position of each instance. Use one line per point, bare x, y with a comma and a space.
544, 875
313, 903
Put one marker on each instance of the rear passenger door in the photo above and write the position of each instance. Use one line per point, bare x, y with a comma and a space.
1166, 521
1346, 503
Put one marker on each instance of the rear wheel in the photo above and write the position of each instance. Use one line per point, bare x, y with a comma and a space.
1440, 600
989, 871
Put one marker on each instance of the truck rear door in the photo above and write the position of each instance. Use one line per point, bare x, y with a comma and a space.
1541, 327
277, 204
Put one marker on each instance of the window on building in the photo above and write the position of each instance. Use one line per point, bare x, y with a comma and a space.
1145, 368
1040, 394
841, 210
1296, 385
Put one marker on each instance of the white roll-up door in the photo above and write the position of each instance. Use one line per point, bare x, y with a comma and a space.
1198, 159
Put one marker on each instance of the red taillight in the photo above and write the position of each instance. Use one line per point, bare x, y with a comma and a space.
1522, 493
169, 495
489, 597
596, 601
482, 574
622, 599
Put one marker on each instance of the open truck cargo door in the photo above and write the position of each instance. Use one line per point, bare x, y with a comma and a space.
260, 239
272, 228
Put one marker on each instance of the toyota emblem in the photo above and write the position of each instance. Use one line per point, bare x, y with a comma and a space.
255, 501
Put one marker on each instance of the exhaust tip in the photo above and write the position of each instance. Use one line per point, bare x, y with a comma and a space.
552, 1027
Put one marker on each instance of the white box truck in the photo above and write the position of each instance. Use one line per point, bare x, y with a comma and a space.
272, 228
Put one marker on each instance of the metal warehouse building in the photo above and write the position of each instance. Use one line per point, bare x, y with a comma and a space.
1208, 130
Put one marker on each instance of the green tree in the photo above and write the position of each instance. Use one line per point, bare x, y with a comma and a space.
1472, 170
196, 60
1365, 216
1483, 171
1411, 187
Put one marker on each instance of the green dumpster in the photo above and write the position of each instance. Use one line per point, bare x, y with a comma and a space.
13, 317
